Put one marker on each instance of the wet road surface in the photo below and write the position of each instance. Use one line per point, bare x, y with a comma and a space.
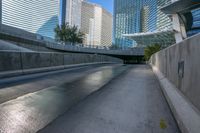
33, 111
12, 88
131, 103
112, 99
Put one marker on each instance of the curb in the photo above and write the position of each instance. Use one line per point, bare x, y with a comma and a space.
185, 113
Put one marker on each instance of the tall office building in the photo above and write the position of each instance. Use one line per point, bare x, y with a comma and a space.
0, 13
96, 24
106, 28
185, 16
71, 12
144, 19
35, 16
139, 16
195, 29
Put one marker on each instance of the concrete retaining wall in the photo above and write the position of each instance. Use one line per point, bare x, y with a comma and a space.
14, 63
10, 61
180, 66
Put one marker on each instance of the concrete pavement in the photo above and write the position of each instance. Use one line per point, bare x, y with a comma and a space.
112, 99
11, 88
131, 103
33, 111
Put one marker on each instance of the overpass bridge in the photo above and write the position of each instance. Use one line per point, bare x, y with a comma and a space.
38, 43
137, 51
133, 55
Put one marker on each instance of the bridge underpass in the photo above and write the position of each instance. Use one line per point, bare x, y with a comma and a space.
92, 99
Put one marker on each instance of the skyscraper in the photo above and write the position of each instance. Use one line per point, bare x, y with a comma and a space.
71, 12
106, 29
96, 24
138, 16
196, 22
35, 16
185, 17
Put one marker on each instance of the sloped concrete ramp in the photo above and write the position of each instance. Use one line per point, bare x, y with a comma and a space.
131, 103
115, 99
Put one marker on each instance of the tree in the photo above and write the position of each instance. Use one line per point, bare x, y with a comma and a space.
114, 46
62, 33
150, 50
76, 35
66, 33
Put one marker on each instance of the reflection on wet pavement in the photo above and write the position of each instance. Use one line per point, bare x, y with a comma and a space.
131, 103
16, 87
31, 112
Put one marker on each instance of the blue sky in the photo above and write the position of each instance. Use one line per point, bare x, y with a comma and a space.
107, 4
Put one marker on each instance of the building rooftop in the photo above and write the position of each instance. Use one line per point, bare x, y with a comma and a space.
98, 5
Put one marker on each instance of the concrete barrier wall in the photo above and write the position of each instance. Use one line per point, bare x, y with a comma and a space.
180, 64
25, 61
10, 61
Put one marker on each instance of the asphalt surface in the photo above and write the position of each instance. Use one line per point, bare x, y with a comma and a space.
109, 99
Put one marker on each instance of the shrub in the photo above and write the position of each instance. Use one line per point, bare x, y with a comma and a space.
150, 50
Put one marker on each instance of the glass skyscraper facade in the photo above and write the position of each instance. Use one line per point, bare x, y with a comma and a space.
196, 23
40, 16
72, 12
35, 16
135, 16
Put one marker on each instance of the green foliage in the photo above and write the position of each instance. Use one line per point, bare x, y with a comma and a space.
150, 50
66, 33
163, 124
114, 46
